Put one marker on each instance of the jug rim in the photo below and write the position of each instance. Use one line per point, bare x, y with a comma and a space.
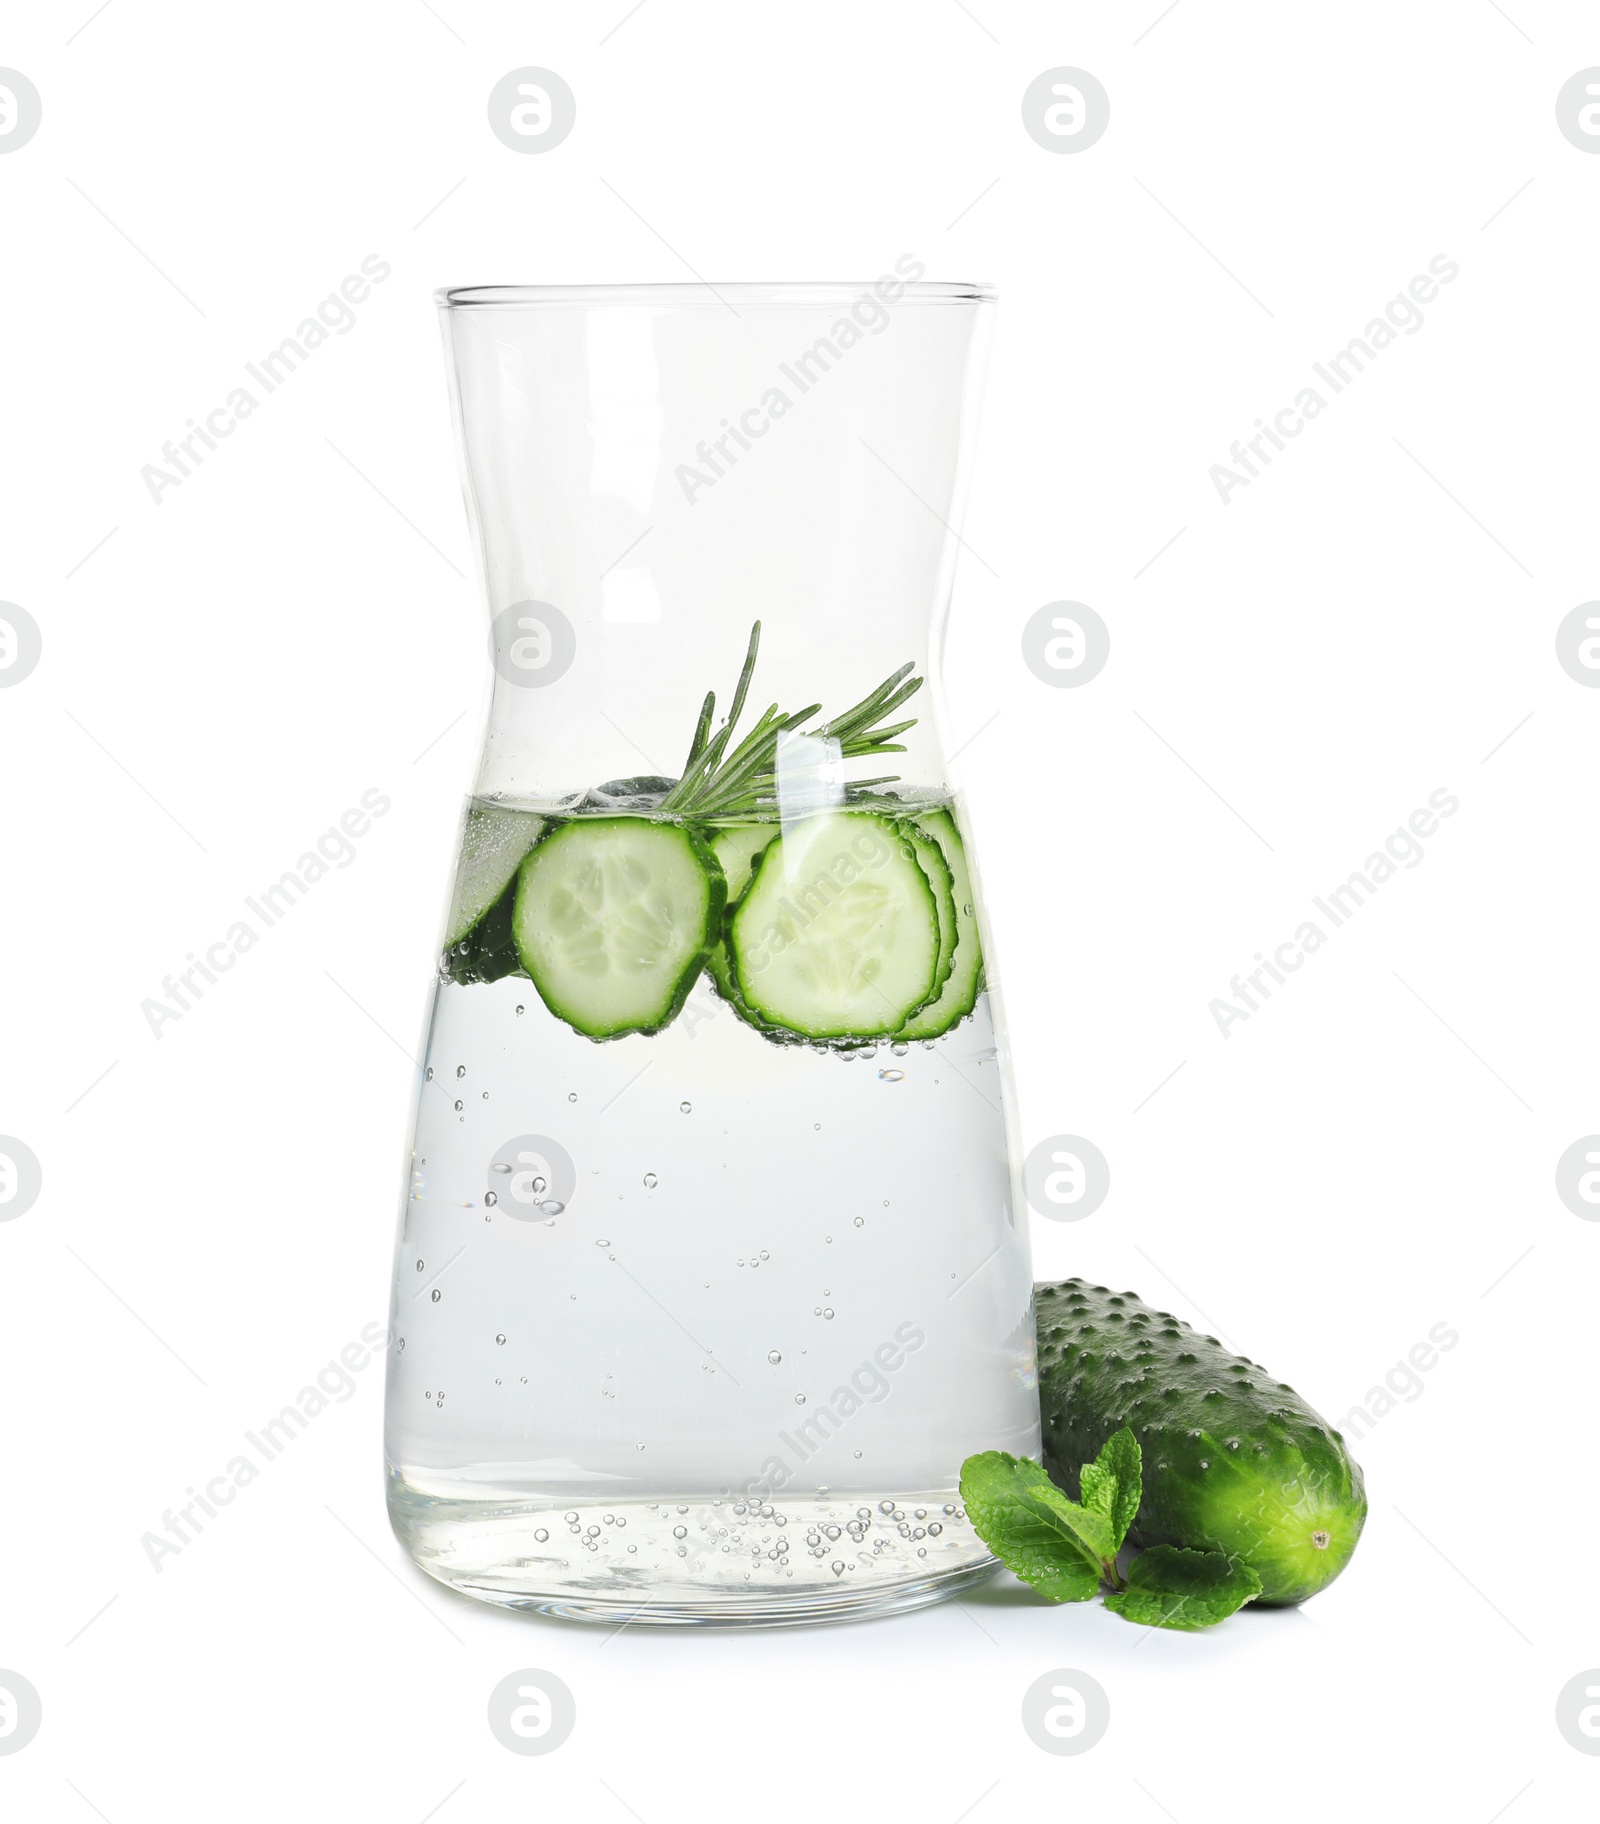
676, 294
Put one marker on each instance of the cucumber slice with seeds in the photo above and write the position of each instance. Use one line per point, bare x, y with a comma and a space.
493, 843
837, 935
614, 919
959, 993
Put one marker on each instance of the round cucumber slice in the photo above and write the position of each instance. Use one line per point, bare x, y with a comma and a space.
614, 918
837, 935
958, 994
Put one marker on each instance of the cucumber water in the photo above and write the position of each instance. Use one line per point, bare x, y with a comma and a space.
668, 1264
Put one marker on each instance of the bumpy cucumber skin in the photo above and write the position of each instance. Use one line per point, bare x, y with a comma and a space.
1233, 1461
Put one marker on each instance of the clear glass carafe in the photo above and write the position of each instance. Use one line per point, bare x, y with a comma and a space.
712, 1267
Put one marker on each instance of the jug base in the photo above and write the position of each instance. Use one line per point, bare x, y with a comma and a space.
693, 1561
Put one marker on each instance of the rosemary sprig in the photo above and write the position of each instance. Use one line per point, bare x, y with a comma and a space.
717, 783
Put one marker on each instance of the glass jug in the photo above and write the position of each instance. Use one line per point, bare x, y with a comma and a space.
712, 1265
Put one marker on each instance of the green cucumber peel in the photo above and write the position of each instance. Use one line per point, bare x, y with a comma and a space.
1066, 1549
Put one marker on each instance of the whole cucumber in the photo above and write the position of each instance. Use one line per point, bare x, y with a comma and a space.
1234, 1461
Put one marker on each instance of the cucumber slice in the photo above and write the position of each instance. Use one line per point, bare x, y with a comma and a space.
738, 846
930, 858
493, 843
837, 935
959, 992
489, 951
613, 920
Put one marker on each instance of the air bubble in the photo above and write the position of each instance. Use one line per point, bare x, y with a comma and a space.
461, 1070
861, 1222
683, 1108
519, 1012
650, 1181
540, 1534
460, 1106
435, 1295
490, 1198
891, 1076
501, 1337
774, 1356
799, 1399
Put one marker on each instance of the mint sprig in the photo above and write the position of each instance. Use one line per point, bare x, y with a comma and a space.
1006, 1499
1066, 1549
1170, 1586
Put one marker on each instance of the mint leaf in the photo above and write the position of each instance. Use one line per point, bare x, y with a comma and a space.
1172, 1587
1017, 1512
1093, 1529
1113, 1484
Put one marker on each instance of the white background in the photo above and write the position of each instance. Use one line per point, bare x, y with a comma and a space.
1371, 1154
